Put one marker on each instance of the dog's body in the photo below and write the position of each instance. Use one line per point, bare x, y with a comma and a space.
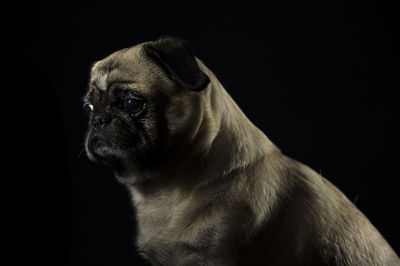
211, 189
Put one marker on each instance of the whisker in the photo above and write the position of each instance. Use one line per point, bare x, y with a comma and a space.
80, 153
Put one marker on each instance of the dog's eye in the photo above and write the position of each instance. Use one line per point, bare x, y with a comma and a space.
88, 108
134, 106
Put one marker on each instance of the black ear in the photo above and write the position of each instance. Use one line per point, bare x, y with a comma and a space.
173, 56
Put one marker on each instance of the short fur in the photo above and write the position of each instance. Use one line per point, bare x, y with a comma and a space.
208, 186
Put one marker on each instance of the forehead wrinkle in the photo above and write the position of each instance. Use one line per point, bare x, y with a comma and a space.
119, 67
101, 81
120, 75
99, 75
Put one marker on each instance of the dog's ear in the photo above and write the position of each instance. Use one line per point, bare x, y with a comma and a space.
175, 59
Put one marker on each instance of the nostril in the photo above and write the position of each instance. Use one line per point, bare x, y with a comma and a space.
102, 119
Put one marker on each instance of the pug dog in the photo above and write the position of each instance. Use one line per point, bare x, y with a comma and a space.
209, 188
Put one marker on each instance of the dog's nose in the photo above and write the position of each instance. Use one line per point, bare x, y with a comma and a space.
102, 119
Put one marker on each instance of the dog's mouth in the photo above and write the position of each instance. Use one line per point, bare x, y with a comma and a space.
123, 153
104, 152
109, 156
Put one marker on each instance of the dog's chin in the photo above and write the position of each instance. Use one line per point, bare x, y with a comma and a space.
108, 156
129, 174
125, 170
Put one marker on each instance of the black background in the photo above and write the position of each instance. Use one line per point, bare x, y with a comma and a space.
318, 77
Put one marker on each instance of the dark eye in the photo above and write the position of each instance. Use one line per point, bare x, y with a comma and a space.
134, 106
88, 108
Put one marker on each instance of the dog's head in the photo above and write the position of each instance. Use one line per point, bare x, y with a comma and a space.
143, 104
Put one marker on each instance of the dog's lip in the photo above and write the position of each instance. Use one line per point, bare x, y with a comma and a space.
104, 152
109, 157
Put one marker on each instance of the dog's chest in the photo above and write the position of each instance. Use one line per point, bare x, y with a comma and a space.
158, 219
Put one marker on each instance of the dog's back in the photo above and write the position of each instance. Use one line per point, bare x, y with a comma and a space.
315, 224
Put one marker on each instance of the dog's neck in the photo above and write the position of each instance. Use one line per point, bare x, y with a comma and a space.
236, 141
